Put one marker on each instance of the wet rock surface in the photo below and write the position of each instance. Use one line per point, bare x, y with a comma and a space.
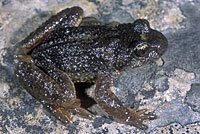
169, 88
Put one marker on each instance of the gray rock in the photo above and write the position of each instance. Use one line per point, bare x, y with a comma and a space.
192, 98
169, 90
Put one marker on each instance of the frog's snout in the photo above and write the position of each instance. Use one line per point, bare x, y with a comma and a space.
159, 43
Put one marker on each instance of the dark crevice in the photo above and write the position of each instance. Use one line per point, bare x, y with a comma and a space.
86, 101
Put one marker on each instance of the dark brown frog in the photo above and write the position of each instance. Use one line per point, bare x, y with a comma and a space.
67, 49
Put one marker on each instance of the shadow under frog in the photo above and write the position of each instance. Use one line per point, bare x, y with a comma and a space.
69, 48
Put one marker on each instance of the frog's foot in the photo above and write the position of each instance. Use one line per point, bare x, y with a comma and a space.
63, 114
109, 102
59, 114
136, 118
76, 109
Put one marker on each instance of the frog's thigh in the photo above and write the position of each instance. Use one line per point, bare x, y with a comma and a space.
57, 94
68, 17
113, 24
109, 102
92, 21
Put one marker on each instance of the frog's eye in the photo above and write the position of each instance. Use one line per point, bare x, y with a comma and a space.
141, 26
142, 49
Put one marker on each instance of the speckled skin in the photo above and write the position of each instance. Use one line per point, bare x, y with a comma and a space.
68, 49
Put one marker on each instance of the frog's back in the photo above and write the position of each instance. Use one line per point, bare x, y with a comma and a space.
81, 52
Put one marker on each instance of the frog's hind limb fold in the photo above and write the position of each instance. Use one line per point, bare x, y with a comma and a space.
53, 88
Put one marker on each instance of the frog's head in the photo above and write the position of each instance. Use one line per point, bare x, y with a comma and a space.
148, 44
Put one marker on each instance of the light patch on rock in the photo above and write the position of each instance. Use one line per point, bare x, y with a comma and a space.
114, 128
147, 87
139, 97
15, 102
60, 130
159, 62
4, 87
150, 104
31, 120
28, 9
15, 130
176, 128
162, 15
179, 85
2, 53
85, 126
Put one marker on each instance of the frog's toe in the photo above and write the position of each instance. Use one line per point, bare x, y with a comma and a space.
136, 118
136, 121
141, 126
82, 113
63, 116
143, 114
150, 116
76, 109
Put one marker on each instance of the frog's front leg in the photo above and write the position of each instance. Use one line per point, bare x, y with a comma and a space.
53, 88
109, 102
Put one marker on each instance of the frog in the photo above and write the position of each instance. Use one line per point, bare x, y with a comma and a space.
69, 48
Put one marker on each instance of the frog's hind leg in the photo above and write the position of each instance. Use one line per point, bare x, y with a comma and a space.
53, 89
68, 17
109, 102
90, 21
66, 89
